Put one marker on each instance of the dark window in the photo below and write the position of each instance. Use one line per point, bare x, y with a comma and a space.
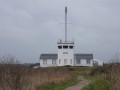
60, 47
87, 61
78, 61
44, 61
71, 61
54, 61
71, 47
59, 61
65, 61
65, 47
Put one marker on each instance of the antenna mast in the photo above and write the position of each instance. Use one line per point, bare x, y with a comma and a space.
65, 24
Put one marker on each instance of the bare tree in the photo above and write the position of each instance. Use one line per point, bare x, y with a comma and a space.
11, 74
116, 58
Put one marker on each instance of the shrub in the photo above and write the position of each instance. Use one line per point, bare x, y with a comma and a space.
11, 74
98, 70
99, 84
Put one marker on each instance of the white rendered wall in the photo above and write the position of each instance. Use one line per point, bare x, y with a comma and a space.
67, 54
100, 63
49, 63
84, 63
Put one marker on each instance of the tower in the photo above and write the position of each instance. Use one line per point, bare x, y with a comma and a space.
65, 49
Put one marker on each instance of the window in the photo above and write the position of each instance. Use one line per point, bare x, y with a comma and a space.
65, 47
59, 61
78, 61
65, 61
60, 47
71, 47
53, 61
71, 61
87, 61
44, 61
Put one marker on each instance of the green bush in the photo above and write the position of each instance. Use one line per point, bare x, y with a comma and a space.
99, 84
98, 70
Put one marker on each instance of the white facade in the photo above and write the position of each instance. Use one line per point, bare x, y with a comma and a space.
84, 62
48, 62
66, 57
65, 54
75, 61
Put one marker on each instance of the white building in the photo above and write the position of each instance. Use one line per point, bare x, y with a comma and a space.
51, 60
66, 55
97, 62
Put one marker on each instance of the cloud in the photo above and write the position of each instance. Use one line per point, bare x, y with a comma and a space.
31, 27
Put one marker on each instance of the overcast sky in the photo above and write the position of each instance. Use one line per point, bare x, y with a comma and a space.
31, 27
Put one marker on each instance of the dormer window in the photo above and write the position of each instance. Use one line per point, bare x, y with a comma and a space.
65, 47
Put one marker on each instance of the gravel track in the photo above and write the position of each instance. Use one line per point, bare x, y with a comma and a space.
83, 82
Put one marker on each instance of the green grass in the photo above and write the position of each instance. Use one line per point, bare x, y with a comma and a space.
60, 85
98, 83
76, 71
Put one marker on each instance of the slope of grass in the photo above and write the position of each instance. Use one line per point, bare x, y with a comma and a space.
99, 84
73, 80
61, 85
98, 80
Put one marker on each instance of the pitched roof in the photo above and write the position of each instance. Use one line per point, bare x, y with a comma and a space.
48, 56
83, 56
77, 56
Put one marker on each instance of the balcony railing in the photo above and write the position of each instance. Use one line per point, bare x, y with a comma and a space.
65, 42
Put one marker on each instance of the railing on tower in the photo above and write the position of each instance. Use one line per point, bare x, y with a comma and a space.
65, 42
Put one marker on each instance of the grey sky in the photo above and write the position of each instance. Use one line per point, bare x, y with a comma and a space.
31, 27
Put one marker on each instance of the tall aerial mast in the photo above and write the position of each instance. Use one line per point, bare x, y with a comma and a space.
66, 24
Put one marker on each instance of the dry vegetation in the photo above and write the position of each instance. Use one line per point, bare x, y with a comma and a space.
41, 76
13, 76
109, 74
112, 74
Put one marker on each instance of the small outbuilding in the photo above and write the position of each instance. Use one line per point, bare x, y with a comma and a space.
97, 62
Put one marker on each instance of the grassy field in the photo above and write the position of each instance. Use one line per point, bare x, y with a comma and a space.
60, 85
104, 78
15, 77
74, 73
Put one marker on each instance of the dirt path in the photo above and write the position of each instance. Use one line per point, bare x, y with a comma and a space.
83, 82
